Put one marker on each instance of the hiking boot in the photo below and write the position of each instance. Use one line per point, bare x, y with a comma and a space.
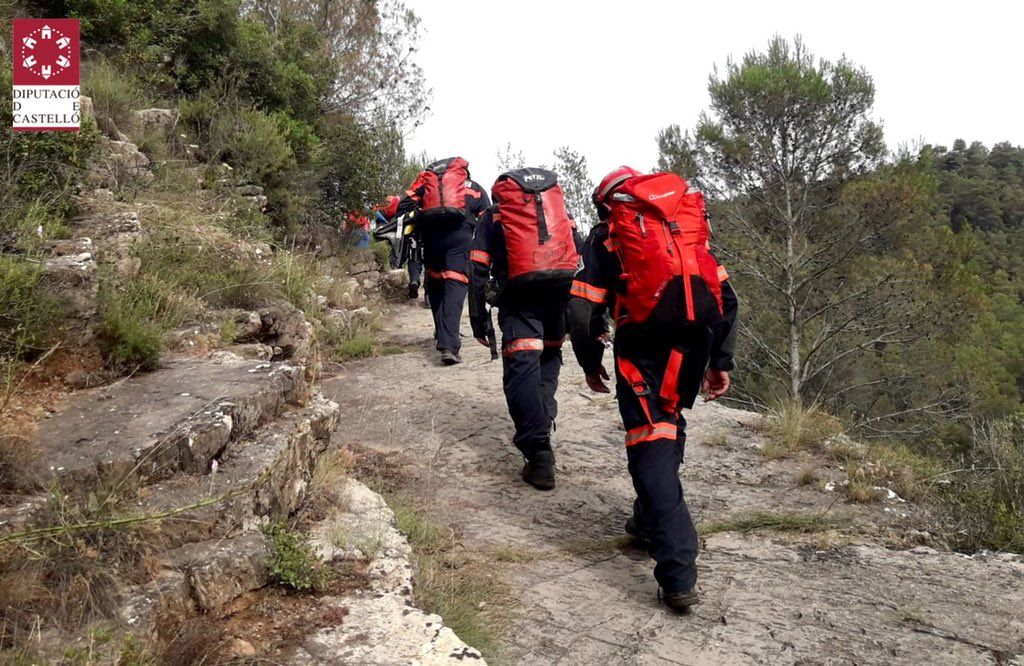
449, 357
680, 602
539, 470
636, 530
414, 290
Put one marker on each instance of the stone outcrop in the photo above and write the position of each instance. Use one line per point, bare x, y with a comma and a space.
382, 626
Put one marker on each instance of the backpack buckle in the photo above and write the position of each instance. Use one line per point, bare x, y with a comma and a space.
674, 228
640, 388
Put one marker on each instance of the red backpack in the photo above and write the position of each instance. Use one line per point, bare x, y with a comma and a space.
444, 184
660, 232
538, 230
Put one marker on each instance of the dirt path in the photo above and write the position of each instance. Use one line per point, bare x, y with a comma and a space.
583, 596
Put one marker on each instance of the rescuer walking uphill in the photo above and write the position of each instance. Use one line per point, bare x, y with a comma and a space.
527, 242
449, 204
675, 313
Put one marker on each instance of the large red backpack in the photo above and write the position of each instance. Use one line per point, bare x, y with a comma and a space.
538, 230
444, 184
660, 231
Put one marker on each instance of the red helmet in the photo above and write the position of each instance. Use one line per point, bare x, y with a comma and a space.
611, 182
608, 185
390, 207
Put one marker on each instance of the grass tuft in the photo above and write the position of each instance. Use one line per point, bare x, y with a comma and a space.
793, 426
767, 520
462, 591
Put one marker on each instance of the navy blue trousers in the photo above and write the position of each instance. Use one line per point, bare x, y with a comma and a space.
532, 331
446, 259
656, 377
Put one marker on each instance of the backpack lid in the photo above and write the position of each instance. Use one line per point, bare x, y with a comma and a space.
662, 191
440, 166
530, 179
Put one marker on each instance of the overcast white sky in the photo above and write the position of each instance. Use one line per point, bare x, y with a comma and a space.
543, 73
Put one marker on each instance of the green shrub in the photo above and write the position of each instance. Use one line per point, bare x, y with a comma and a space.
203, 268
296, 277
293, 563
41, 170
28, 315
115, 91
134, 319
382, 254
983, 499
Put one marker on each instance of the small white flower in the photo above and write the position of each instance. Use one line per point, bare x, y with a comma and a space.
39, 231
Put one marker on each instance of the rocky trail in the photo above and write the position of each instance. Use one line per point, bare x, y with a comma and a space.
861, 590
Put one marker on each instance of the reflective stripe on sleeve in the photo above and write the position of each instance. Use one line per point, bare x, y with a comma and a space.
588, 292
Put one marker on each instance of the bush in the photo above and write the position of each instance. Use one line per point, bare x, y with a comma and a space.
114, 91
984, 499
293, 563
41, 170
134, 318
204, 267
27, 314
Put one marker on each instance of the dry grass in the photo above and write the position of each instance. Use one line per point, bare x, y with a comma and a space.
591, 547
778, 521
717, 440
809, 475
464, 591
793, 426
70, 578
512, 554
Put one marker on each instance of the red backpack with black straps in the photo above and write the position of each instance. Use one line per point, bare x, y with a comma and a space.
444, 186
659, 230
538, 231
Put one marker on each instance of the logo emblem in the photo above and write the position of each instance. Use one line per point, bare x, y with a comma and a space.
46, 52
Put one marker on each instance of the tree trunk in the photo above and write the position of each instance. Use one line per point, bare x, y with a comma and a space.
792, 315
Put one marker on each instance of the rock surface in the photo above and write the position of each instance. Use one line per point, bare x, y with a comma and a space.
381, 625
152, 425
769, 598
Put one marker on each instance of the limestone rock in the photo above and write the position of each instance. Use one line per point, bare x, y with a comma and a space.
71, 279
285, 326
222, 570
148, 121
394, 284
248, 325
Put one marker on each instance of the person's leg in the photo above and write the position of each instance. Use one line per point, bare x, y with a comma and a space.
654, 466
415, 271
433, 291
654, 457
449, 314
554, 330
522, 349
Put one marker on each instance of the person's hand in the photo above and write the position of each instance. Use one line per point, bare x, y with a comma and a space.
716, 384
596, 381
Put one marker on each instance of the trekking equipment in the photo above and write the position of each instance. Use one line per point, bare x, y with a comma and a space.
445, 185
634, 529
539, 470
449, 357
610, 182
539, 238
659, 230
680, 602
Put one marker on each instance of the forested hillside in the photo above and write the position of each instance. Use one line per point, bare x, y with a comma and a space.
880, 288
